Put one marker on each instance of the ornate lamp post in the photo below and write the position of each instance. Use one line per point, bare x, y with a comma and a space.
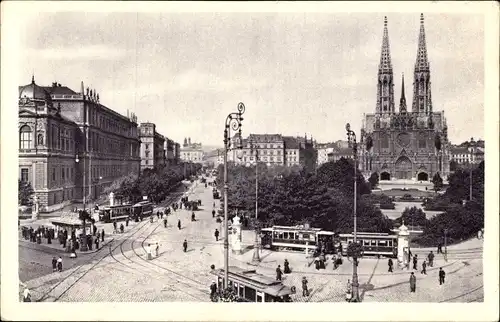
233, 121
256, 255
351, 136
83, 246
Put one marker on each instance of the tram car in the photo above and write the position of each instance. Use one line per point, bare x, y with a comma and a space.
298, 238
142, 209
115, 213
374, 244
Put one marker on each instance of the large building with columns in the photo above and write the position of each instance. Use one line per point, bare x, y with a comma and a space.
405, 144
70, 145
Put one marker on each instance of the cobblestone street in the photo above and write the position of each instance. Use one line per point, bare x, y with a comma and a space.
124, 274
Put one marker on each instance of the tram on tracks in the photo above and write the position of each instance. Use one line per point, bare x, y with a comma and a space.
250, 286
122, 212
374, 244
298, 238
302, 238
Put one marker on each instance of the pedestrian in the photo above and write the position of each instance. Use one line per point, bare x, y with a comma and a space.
442, 275
216, 234
348, 292
316, 262
114, 226
193, 217
151, 219
413, 283
98, 237
126, 221
49, 239
89, 242
179, 224
64, 242
213, 290
161, 214
305, 290
94, 230
439, 248
102, 236
96, 243
26, 295
54, 264
430, 257
279, 273
148, 252
391, 264
158, 214
415, 261
424, 266
185, 245
157, 249
59, 264
122, 229
165, 222
213, 213
286, 265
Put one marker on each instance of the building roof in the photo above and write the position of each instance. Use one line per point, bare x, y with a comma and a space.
291, 142
57, 89
34, 92
265, 137
326, 145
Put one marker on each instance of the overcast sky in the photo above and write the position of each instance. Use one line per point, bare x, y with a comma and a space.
296, 73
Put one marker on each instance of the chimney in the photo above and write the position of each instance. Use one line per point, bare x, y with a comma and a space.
54, 84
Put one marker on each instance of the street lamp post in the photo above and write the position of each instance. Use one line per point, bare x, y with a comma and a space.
256, 255
351, 136
83, 246
233, 121
470, 176
445, 246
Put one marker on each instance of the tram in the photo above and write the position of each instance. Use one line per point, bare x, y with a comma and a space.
249, 286
115, 213
374, 244
142, 209
298, 238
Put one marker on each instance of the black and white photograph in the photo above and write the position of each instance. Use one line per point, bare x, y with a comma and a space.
254, 152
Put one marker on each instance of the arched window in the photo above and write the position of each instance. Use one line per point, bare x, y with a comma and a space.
25, 137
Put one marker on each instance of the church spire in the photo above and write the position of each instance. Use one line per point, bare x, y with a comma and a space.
385, 86
402, 101
422, 76
422, 62
385, 55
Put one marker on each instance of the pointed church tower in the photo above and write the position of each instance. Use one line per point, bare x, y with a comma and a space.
422, 76
385, 86
402, 100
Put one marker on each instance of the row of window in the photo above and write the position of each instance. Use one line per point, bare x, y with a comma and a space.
61, 139
104, 144
384, 142
111, 125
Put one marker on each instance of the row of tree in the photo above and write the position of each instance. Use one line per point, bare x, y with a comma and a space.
155, 183
292, 195
461, 218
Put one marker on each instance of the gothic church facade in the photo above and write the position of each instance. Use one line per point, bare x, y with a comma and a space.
410, 145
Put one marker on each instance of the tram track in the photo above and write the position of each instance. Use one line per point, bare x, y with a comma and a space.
79, 272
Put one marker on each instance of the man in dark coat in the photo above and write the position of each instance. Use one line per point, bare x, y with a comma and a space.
213, 213
216, 234
286, 265
179, 224
165, 222
279, 273
415, 261
102, 236
391, 264
185, 245
424, 267
442, 275
431, 259
413, 283
439, 249
305, 291
213, 289
54, 264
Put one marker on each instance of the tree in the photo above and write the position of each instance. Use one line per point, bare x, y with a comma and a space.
437, 181
25, 191
373, 180
413, 216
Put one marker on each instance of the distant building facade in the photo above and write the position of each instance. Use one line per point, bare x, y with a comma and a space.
273, 150
469, 152
170, 155
191, 152
70, 145
152, 146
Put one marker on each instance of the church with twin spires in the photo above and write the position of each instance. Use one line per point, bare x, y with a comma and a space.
404, 144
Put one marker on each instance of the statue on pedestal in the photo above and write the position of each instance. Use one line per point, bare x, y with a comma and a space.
236, 235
